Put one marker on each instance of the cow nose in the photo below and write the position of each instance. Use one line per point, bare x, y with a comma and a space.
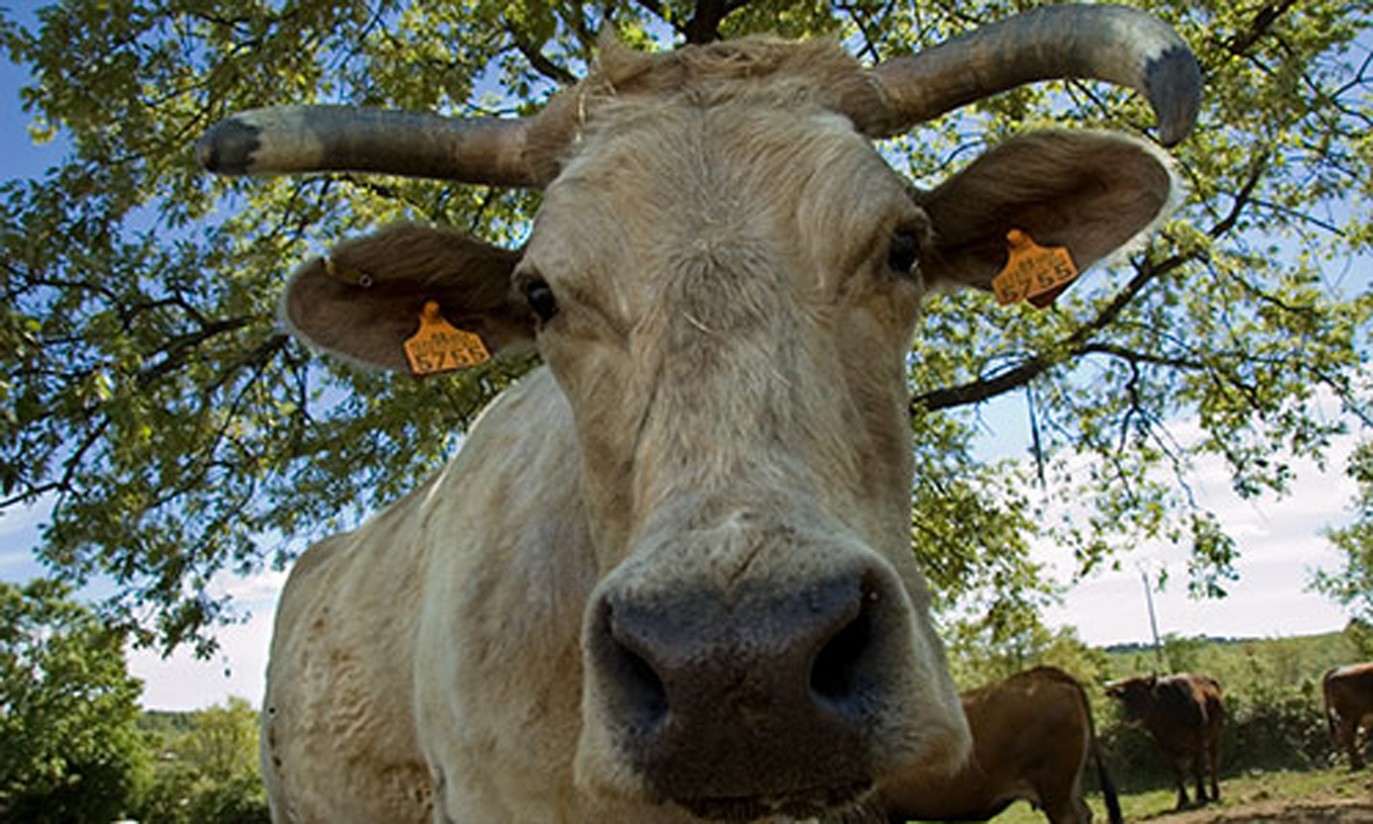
690, 648
755, 693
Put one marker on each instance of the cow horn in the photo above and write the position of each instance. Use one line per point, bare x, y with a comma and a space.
1117, 44
290, 139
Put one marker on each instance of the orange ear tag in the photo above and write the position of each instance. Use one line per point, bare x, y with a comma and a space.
1033, 273
439, 346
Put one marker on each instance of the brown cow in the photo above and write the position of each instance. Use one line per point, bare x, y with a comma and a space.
1032, 735
1348, 692
1185, 714
669, 574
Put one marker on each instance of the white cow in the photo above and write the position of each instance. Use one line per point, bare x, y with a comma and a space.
669, 576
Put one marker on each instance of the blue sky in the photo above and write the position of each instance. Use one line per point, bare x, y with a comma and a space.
1280, 541
19, 158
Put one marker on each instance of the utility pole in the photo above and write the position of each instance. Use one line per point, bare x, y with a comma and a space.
1153, 620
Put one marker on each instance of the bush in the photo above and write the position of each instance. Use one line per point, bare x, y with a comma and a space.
70, 750
1283, 730
208, 772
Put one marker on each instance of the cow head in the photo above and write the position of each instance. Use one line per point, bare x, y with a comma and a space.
1136, 694
724, 278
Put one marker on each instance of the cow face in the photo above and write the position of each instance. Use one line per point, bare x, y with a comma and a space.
735, 370
723, 279
1136, 694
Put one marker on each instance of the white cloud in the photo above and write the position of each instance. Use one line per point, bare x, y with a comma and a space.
19, 524
19, 532
262, 588
1280, 542
181, 682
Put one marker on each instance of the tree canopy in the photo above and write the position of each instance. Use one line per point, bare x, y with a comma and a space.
147, 391
1352, 584
70, 749
208, 770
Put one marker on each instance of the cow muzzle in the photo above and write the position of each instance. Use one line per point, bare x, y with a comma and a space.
782, 690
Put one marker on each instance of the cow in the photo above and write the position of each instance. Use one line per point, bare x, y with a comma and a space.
669, 576
1032, 735
1348, 693
1185, 714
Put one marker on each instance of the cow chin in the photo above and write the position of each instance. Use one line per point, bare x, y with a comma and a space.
738, 699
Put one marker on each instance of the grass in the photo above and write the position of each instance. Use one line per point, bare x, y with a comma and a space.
1236, 791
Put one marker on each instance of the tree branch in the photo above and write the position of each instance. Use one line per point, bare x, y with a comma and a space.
704, 25
1242, 197
1262, 23
656, 9
1032, 367
538, 60
179, 347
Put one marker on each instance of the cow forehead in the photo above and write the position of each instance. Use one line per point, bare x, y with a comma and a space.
720, 132
657, 182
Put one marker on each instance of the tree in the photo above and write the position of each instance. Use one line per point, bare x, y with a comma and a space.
179, 433
977, 659
1352, 584
70, 749
208, 773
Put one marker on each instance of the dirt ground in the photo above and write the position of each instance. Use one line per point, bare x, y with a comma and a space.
1348, 802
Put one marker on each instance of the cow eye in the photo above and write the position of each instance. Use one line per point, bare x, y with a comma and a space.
539, 295
903, 252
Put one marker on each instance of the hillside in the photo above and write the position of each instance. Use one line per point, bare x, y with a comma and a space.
1278, 662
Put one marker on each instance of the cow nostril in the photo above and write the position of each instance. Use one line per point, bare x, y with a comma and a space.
838, 673
644, 689
641, 691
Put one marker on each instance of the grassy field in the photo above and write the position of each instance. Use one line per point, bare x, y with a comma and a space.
1318, 796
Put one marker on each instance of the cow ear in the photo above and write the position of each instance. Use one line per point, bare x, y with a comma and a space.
1091, 192
365, 298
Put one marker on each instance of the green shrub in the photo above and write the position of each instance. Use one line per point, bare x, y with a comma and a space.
70, 749
208, 772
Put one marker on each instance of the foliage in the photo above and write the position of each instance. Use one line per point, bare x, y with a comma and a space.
978, 657
208, 768
70, 749
1276, 731
149, 395
1247, 666
1352, 584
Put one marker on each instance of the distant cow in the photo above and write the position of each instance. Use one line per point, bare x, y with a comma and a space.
1348, 695
1185, 714
669, 575
1032, 735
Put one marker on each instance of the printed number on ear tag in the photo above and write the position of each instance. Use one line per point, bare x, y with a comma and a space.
439, 346
1033, 273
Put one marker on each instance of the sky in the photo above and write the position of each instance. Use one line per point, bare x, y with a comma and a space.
1280, 540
